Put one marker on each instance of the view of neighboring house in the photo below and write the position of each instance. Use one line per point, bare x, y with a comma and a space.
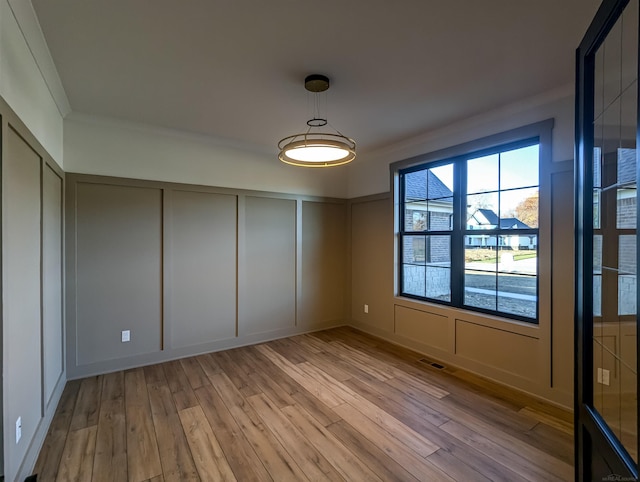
430, 208
484, 219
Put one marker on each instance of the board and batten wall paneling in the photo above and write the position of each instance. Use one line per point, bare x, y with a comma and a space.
425, 327
372, 264
118, 271
52, 276
201, 261
562, 283
21, 296
324, 267
269, 296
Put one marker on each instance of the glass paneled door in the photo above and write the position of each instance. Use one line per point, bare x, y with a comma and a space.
606, 247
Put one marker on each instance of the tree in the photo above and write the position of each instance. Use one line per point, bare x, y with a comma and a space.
527, 210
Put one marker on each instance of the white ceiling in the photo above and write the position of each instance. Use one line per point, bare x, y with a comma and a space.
234, 69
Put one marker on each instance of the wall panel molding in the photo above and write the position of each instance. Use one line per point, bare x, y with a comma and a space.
235, 267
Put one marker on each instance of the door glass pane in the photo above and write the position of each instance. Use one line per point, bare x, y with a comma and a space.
614, 237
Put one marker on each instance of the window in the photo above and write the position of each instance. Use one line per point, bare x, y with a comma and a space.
468, 229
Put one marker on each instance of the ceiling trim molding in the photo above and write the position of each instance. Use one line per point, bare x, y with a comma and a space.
29, 25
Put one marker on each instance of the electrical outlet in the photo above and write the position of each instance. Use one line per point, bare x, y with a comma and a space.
18, 429
605, 377
126, 336
366, 308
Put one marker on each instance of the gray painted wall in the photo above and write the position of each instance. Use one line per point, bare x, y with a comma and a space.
32, 304
200, 274
192, 269
270, 266
21, 295
119, 265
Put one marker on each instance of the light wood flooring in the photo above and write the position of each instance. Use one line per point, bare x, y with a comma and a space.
333, 405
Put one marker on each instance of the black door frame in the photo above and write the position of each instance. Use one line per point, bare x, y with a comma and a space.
596, 446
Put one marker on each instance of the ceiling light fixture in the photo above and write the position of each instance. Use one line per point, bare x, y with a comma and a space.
313, 148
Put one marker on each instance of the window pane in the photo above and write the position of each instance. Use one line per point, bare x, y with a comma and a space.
626, 208
482, 174
438, 286
480, 289
497, 221
444, 175
480, 275
517, 294
519, 167
519, 209
518, 254
597, 275
438, 260
627, 275
415, 186
415, 216
626, 169
441, 214
413, 280
438, 250
482, 211
413, 251
434, 280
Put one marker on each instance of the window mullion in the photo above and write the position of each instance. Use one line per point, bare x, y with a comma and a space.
457, 236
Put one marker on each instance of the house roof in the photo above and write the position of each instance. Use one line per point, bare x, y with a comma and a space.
489, 215
424, 184
492, 219
512, 223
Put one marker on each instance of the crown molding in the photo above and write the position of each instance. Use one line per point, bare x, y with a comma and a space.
29, 25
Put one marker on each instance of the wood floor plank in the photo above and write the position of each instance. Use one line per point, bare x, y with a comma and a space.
311, 462
244, 461
396, 401
110, 460
552, 441
346, 462
179, 385
51, 452
175, 454
143, 460
302, 397
209, 365
113, 386
154, 374
393, 426
397, 450
77, 458
269, 387
193, 370
455, 468
207, 453
276, 459
373, 456
294, 372
312, 344
520, 463
348, 355
411, 413
236, 374
550, 420
87, 406
333, 405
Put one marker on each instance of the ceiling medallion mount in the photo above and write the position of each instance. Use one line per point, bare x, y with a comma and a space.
317, 149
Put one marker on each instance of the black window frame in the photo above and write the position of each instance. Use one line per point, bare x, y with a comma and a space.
539, 133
